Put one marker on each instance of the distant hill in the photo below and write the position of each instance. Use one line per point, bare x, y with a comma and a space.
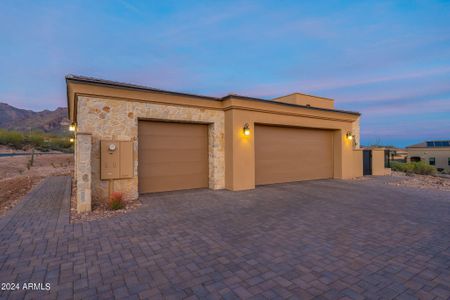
13, 118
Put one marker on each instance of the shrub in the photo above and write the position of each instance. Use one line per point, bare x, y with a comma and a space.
402, 167
37, 140
116, 201
12, 138
424, 169
413, 167
34, 139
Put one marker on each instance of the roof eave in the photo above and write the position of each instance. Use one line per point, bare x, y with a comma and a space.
291, 105
94, 81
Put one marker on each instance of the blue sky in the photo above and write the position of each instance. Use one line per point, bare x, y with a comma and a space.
388, 60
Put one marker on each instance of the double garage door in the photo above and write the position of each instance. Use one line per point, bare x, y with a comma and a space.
174, 156
285, 154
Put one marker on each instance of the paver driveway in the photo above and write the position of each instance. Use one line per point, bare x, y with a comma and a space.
326, 239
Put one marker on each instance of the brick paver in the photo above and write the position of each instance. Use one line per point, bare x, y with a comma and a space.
325, 239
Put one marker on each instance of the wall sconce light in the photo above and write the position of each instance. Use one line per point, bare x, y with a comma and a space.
71, 140
349, 135
246, 129
72, 127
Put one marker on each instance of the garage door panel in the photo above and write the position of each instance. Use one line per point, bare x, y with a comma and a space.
172, 156
173, 183
281, 177
285, 154
171, 129
172, 142
167, 168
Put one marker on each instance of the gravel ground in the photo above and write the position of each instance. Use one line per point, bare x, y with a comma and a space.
16, 179
98, 211
421, 181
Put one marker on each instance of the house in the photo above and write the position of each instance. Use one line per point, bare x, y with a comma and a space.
397, 154
172, 141
435, 153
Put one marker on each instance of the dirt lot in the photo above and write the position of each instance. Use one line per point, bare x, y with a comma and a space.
16, 179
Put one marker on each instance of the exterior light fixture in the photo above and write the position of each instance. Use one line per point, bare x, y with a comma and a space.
349, 135
246, 129
72, 127
71, 140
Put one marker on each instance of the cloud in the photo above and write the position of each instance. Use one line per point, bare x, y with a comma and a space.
403, 134
319, 86
352, 82
435, 106
131, 7
197, 21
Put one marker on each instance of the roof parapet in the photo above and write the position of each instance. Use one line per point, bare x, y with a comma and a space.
306, 100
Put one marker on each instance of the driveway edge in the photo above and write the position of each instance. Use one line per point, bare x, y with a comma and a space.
64, 211
25, 199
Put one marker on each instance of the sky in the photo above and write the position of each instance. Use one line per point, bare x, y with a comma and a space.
389, 60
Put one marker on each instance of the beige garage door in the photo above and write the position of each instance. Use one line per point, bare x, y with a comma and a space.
172, 156
284, 154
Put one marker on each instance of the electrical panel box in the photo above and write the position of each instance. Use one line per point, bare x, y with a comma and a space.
116, 159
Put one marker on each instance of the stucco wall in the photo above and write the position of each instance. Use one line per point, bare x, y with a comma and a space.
240, 158
441, 156
302, 99
378, 168
112, 119
357, 163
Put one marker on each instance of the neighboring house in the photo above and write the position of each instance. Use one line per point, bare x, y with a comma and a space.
398, 154
435, 153
140, 140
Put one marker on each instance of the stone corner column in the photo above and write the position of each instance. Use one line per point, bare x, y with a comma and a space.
83, 172
356, 130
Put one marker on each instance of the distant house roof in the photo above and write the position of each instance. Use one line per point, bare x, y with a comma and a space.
431, 144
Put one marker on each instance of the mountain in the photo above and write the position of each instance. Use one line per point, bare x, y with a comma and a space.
13, 118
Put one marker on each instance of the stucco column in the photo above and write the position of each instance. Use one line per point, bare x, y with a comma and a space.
378, 168
343, 155
240, 161
83, 172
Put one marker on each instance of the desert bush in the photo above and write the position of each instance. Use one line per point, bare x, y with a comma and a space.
413, 167
37, 140
11, 138
116, 201
60, 144
34, 139
424, 169
402, 167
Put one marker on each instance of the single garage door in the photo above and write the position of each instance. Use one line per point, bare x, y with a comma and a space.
284, 154
172, 156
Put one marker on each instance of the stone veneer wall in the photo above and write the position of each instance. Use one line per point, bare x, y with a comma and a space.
83, 146
114, 119
356, 131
